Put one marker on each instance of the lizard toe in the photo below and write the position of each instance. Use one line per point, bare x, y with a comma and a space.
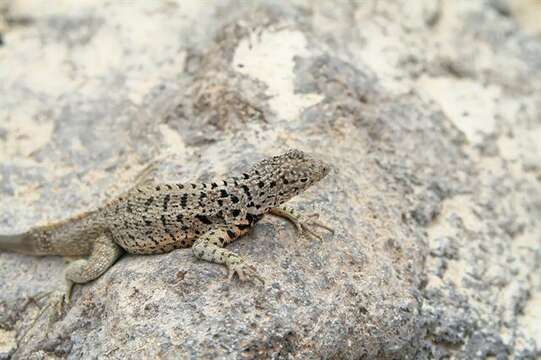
245, 272
308, 222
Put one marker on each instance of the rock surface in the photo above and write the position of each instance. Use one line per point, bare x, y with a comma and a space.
428, 110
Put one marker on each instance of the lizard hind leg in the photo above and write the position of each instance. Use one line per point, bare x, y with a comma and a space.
209, 247
104, 253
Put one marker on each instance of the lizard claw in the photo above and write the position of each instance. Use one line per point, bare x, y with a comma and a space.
53, 309
307, 222
58, 301
244, 271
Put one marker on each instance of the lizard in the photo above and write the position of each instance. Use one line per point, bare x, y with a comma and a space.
153, 218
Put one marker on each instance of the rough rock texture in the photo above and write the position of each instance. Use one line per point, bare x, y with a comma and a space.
429, 111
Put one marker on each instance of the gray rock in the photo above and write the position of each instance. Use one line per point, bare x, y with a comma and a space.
427, 110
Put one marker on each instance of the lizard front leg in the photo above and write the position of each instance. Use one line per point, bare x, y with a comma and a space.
303, 223
210, 245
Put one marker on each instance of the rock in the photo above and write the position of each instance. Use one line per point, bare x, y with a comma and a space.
431, 122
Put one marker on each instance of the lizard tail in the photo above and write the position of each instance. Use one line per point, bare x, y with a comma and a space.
72, 237
20, 243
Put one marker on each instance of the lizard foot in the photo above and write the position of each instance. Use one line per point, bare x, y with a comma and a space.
244, 271
306, 223
303, 223
53, 309
57, 299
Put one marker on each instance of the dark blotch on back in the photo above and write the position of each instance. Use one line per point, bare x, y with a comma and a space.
220, 215
166, 201
184, 200
203, 219
246, 191
252, 219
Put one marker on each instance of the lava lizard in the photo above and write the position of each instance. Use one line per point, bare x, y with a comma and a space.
154, 218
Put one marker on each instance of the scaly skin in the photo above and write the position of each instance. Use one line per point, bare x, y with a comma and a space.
154, 218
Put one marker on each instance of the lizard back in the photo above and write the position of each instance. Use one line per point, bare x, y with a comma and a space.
159, 218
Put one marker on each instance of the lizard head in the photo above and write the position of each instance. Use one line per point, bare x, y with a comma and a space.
296, 169
279, 178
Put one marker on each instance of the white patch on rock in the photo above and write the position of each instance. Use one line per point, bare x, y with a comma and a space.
25, 132
380, 55
527, 13
461, 206
530, 319
7, 341
172, 140
509, 148
269, 58
524, 146
532, 149
469, 105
